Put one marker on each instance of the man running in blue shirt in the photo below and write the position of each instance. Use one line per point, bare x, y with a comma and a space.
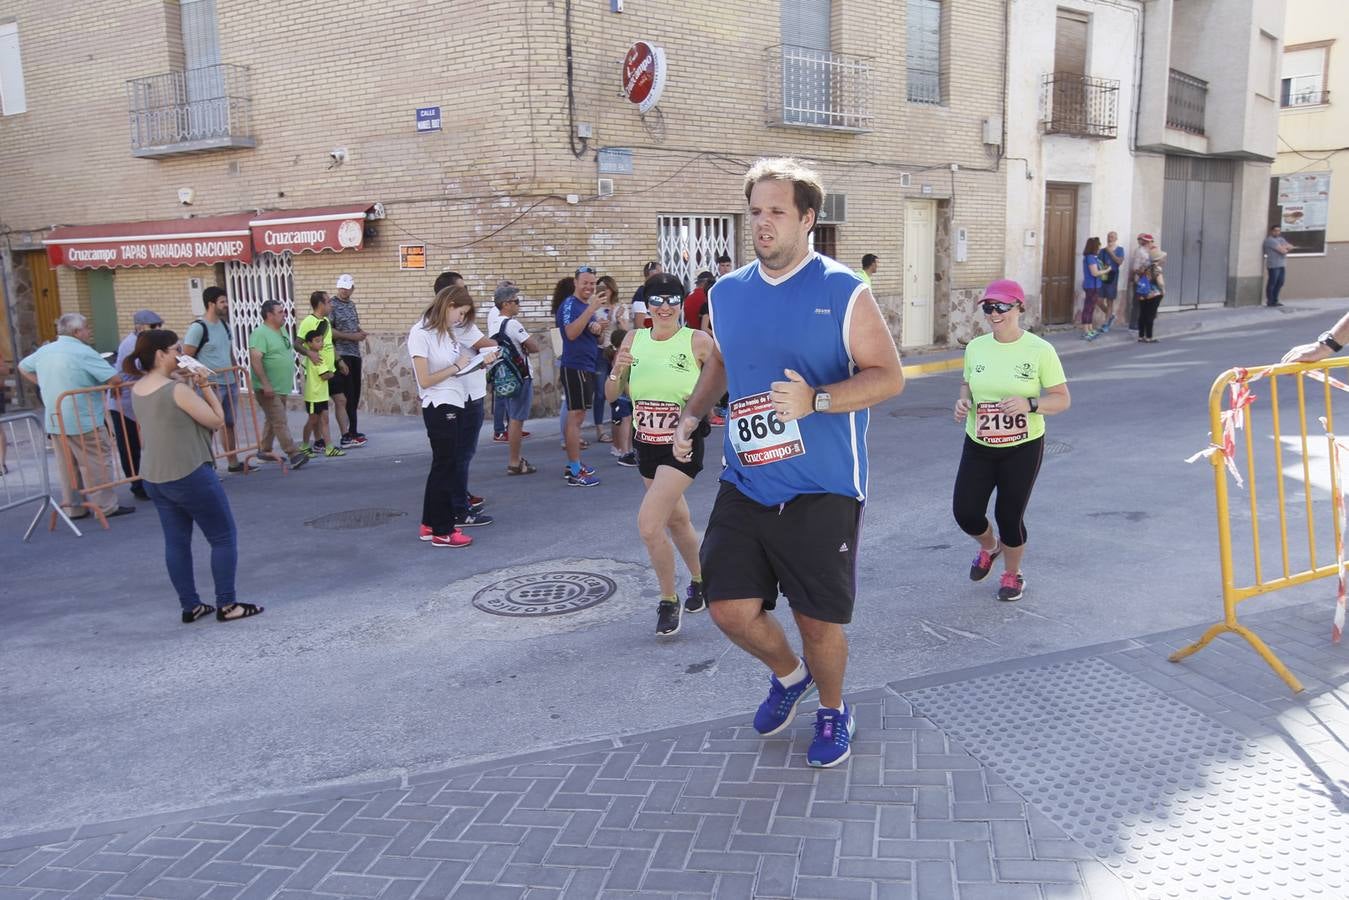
804, 351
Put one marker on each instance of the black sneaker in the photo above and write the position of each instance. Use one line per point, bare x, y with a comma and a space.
695, 600
471, 520
319, 446
982, 564
1011, 588
667, 618
628, 459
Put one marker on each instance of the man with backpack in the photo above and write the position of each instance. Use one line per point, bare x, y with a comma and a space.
208, 341
509, 377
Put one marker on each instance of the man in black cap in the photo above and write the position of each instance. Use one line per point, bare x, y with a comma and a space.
640, 317
695, 304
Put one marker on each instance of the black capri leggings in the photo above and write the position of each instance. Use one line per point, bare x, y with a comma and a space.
1010, 470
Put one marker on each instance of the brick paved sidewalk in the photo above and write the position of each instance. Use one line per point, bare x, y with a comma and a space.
1105, 772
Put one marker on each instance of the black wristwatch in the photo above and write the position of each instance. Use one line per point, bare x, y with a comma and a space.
1328, 338
1034, 404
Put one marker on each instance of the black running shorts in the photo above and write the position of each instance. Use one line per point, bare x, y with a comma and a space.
651, 456
576, 388
806, 548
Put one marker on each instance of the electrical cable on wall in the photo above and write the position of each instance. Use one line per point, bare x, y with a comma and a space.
577, 150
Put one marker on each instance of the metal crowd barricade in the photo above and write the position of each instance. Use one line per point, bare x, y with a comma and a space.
91, 459
25, 477
1310, 494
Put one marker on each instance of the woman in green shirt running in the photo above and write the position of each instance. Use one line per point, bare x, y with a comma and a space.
1013, 379
659, 367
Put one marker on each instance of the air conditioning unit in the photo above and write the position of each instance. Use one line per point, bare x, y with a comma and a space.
905, 179
835, 209
605, 187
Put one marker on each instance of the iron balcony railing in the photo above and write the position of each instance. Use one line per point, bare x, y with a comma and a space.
818, 89
1186, 99
1304, 98
187, 111
1081, 105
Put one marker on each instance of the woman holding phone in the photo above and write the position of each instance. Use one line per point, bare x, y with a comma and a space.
178, 412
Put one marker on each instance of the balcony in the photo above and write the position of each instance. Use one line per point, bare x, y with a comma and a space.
1186, 99
1294, 99
810, 88
190, 111
1080, 105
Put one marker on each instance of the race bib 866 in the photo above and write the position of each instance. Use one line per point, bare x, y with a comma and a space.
758, 436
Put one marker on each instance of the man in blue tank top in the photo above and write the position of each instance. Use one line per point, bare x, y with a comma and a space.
804, 351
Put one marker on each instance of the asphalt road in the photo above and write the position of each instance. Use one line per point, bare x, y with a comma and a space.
372, 661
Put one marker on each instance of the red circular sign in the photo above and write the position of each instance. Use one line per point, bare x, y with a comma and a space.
644, 75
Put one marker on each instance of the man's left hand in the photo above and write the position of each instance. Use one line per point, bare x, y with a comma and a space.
792, 399
1305, 353
342, 367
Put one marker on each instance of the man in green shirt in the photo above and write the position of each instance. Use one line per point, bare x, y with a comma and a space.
273, 365
320, 305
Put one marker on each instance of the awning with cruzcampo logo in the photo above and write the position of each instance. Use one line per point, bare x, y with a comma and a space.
167, 242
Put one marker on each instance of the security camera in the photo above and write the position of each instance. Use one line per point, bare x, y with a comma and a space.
338, 155
186, 195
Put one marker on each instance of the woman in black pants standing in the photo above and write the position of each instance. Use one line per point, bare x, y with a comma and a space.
1150, 288
1013, 379
438, 359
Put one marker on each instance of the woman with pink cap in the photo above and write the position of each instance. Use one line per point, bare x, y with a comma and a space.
1013, 379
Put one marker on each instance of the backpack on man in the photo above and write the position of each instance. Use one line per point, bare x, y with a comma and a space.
507, 375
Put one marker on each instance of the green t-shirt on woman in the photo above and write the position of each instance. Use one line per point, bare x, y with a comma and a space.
995, 371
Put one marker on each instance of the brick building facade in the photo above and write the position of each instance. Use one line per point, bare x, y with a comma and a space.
893, 106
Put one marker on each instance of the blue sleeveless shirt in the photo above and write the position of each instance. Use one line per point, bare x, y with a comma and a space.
763, 326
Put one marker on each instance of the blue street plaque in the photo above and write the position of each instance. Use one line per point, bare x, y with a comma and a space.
428, 118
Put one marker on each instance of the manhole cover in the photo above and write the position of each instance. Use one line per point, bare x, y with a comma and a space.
544, 594
1057, 448
355, 518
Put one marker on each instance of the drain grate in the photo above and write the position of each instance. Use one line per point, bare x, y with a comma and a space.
355, 518
544, 594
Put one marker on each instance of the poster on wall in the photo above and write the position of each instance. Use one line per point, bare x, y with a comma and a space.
1300, 206
411, 256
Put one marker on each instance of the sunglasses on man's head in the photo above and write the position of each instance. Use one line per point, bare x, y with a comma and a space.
991, 307
580, 270
658, 302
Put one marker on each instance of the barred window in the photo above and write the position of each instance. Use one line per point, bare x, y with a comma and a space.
925, 52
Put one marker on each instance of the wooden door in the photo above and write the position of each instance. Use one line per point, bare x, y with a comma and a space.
920, 235
46, 294
1057, 275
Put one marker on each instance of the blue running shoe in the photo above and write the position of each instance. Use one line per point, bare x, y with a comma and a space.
833, 737
778, 710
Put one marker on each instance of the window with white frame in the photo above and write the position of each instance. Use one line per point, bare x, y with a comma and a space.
13, 100
1303, 77
924, 52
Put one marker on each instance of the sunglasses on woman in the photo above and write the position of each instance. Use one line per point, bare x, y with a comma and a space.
991, 307
658, 302
581, 270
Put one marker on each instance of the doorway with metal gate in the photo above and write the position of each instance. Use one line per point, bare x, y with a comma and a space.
1058, 273
249, 285
1196, 229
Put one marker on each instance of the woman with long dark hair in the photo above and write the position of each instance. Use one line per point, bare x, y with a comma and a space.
1092, 270
177, 468
438, 359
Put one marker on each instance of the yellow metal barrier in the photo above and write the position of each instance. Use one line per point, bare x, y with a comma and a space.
1227, 451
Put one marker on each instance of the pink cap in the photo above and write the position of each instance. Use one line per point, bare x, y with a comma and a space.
1005, 290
